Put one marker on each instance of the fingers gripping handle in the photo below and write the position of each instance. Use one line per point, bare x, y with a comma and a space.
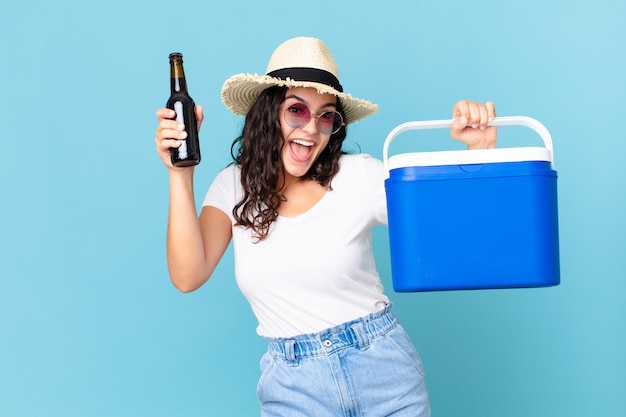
446, 124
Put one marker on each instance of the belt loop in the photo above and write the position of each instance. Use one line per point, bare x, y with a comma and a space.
361, 336
290, 353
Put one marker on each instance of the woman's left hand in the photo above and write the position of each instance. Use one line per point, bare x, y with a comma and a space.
470, 124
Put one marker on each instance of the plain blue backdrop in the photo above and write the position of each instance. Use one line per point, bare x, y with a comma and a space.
89, 322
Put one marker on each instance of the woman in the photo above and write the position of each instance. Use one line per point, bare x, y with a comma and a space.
300, 213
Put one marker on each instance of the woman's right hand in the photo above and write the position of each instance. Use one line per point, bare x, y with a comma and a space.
170, 134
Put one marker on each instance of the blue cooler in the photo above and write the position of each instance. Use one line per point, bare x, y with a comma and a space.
463, 220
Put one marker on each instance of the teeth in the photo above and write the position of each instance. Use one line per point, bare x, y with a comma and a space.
303, 142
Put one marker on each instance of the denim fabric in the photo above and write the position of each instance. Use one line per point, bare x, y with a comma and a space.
364, 368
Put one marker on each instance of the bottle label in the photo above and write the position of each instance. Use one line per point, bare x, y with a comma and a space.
182, 150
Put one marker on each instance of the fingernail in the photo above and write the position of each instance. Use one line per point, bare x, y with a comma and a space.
182, 134
180, 126
474, 126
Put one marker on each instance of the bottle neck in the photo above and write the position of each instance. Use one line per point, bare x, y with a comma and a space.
177, 76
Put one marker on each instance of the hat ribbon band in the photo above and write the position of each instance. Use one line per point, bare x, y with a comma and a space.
308, 74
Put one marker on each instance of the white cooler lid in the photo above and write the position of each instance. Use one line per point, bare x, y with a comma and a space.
466, 157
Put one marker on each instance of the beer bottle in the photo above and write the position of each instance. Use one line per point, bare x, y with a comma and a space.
188, 154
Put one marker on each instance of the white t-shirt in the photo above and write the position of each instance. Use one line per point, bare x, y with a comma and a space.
316, 270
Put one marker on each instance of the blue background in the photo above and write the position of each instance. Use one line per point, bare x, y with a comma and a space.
89, 322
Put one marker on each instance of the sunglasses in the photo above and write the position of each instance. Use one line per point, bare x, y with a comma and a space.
298, 115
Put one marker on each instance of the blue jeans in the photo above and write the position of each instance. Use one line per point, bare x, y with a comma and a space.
366, 367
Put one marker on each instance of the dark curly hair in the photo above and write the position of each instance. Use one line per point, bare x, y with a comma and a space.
258, 152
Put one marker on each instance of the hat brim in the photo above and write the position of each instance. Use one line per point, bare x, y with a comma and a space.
240, 91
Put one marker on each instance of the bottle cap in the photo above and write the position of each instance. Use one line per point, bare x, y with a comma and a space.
175, 54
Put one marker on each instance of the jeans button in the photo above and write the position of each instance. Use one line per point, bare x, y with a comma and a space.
328, 343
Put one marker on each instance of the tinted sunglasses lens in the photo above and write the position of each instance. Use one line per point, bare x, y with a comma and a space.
329, 122
297, 115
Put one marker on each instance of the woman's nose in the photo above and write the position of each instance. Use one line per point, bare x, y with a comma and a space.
311, 125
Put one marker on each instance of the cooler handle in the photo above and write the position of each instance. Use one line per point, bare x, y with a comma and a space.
443, 124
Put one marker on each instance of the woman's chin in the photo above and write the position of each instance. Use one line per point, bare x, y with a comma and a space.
297, 171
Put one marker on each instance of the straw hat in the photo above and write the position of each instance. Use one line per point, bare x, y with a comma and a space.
298, 62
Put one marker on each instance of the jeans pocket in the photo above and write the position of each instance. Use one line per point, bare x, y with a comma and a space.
266, 364
400, 340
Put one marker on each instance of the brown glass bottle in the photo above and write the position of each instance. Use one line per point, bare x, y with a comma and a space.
188, 154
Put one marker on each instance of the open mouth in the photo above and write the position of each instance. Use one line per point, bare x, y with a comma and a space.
301, 150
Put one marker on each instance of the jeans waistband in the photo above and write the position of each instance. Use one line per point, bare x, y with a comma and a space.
357, 332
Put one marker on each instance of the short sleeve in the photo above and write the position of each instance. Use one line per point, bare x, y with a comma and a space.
375, 176
224, 192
